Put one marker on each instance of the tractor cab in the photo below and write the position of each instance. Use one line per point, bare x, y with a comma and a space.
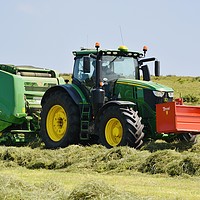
120, 75
94, 68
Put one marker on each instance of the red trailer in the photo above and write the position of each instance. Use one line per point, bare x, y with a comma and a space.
174, 117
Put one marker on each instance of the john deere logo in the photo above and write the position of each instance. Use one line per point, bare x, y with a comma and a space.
165, 100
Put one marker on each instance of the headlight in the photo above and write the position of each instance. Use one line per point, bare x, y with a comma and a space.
171, 94
158, 93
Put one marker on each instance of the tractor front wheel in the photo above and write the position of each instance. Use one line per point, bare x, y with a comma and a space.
59, 121
119, 126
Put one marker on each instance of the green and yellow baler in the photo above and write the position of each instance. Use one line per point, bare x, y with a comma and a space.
22, 88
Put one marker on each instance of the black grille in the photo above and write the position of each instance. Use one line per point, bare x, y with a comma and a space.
152, 100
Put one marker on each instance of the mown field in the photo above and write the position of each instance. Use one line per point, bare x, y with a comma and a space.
159, 170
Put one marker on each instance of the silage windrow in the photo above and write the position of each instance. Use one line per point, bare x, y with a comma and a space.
98, 159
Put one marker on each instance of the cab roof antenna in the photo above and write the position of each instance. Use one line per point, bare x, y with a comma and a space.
121, 35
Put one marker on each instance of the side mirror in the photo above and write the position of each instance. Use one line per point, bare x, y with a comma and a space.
146, 73
157, 68
86, 64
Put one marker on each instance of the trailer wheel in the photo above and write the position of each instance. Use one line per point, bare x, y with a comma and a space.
59, 121
120, 127
187, 137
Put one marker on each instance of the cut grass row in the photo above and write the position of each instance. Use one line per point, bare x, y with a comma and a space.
158, 171
172, 160
20, 183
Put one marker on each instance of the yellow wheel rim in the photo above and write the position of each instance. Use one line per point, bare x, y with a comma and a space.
56, 123
113, 132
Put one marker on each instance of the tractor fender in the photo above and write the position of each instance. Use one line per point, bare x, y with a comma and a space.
71, 91
112, 103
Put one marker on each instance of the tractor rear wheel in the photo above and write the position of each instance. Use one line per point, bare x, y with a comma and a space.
119, 126
59, 121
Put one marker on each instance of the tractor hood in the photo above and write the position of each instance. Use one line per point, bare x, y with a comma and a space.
145, 85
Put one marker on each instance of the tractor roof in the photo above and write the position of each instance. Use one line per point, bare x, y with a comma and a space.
86, 52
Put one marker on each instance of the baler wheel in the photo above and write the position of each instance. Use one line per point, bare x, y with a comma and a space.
59, 121
119, 126
187, 137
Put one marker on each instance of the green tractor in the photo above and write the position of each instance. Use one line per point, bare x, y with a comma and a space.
106, 102
22, 88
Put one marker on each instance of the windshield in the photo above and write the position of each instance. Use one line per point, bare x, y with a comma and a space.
114, 67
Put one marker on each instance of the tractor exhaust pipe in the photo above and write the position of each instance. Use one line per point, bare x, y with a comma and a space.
98, 94
157, 68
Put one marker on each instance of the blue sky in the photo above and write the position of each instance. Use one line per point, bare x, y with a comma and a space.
45, 32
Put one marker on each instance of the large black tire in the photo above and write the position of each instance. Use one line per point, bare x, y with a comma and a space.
119, 126
60, 121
